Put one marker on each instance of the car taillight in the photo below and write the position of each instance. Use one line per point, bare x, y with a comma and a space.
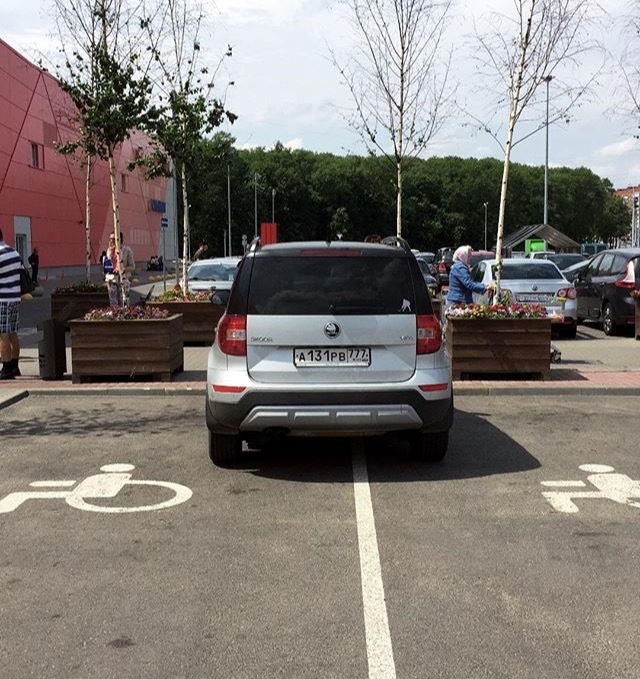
232, 335
629, 280
442, 267
429, 334
566, 293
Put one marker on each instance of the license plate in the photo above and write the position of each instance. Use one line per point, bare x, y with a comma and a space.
540, 298
323, 357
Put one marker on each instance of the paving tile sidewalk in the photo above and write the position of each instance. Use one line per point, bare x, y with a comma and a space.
564, 380
610, 366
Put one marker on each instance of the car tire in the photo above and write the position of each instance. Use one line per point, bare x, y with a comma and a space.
609, 325
569, 331
431, 447
224, 448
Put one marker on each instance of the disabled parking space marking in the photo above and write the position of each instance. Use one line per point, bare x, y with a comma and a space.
106, 485
619, 488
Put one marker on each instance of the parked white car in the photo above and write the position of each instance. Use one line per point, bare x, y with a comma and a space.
534, 281
212, 274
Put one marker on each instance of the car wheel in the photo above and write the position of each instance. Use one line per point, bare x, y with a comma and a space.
224, 448
608, 324
431, 447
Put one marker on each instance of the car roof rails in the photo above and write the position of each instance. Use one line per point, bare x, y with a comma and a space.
397, 242
255, 244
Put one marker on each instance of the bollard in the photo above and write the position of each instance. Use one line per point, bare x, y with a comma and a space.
52, 352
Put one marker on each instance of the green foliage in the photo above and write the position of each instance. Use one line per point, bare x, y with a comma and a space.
73, 288
176, 295
443, 198
111, 98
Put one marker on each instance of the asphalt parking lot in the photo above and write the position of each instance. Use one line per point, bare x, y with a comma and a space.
125, 553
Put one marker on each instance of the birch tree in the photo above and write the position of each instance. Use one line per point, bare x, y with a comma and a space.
102, 75
397, 75
519, 54
184, 86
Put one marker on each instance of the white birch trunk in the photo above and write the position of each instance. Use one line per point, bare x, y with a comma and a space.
87, 225
185, 226
116, 221
513, 118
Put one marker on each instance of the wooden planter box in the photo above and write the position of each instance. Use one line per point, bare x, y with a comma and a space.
508, 347
151, 349
199, 319
64, 307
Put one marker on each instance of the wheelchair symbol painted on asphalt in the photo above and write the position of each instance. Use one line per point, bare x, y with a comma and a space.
619, 488
106, 485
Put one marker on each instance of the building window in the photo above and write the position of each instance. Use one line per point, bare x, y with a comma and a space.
37, 155
123, 182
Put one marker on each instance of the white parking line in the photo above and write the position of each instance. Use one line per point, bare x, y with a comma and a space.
376, 623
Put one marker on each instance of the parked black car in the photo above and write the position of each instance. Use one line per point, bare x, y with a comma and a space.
572, 271
564, 259
444, 260
604, 289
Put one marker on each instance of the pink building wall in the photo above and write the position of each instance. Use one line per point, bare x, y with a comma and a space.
43, 204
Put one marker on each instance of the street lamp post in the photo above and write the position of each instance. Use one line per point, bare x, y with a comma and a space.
229, 206
486, 205
255, 204
273, 202
547, 80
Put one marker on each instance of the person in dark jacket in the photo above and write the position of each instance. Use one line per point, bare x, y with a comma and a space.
461, 284
34, 261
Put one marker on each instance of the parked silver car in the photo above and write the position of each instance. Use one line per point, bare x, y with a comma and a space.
212, 274
333, 339
534, 281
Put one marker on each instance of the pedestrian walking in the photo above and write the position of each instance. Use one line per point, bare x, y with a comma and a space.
10, 266
201, 252
34, 261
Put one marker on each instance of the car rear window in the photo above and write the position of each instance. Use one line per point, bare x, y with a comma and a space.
335, 285
563, 261
212, 272
535, 270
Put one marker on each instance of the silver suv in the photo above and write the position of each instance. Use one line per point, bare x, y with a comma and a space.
328, 338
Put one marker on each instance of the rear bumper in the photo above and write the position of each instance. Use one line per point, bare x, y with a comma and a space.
335, 413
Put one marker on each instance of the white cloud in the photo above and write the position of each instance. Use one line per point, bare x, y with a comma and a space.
287, 89
294, 144
620, 148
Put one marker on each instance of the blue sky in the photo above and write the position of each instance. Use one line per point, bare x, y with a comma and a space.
286, 88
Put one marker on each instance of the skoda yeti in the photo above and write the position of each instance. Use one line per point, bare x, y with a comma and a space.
328, 339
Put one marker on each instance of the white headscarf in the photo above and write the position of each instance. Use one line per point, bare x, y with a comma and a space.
463, 254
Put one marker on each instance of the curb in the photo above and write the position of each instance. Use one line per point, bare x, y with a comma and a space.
554, 390
12, 397
195, 389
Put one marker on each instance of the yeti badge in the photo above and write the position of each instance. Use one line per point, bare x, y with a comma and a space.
406, 306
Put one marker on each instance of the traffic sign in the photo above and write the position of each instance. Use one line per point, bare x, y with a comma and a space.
164, 221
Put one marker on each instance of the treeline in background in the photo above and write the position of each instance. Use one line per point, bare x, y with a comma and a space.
319, 195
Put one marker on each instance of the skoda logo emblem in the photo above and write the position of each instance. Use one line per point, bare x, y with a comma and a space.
331, 330
534, 287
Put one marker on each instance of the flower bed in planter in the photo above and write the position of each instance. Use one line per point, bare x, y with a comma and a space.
148, 346
512, 341
199, 316
74, 301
